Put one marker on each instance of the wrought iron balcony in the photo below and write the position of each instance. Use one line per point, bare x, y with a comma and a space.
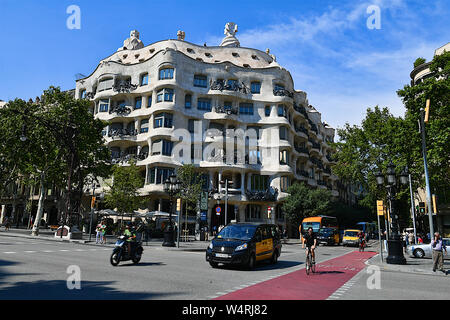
270, 194
303, 173
321, 183
226, 109
282, 93
122, 132
301, 149
221, 85
302, 129
120, 110
124, 86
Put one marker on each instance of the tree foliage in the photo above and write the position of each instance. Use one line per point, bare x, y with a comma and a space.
123, 194
305, 202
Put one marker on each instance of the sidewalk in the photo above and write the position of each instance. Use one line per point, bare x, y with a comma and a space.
48, 235
413, 265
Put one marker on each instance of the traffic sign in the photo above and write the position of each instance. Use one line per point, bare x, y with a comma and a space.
380, 208
218, 210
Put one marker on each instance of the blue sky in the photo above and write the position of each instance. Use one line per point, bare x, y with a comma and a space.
333, 56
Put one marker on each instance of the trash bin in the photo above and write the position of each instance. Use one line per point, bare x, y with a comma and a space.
202, 235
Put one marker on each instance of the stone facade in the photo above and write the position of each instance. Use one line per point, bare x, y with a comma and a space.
149, 92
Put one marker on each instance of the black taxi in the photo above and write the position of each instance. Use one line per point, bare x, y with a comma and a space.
245, 244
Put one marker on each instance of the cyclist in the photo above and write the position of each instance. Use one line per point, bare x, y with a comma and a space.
310, 239
362, 239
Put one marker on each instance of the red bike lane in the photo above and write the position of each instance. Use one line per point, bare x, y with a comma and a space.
330, 275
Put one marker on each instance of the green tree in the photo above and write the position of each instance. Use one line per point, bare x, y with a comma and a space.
303, 202
191, 186
123, 194
419, 61
63, 144
437, 89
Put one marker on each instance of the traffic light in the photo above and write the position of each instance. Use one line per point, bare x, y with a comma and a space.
269, 212
434, 204
178, 205
422, 208
380, 208
427, 111
93, 202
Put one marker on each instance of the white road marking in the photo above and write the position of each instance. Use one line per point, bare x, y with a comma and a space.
9, 252
30, 251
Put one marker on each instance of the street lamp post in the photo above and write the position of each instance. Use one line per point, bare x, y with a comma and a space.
171, 187
395, 247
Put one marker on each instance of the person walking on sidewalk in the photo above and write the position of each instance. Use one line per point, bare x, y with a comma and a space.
437, 246
99, 235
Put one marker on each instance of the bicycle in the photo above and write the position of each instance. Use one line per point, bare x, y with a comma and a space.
309, 263
362, 244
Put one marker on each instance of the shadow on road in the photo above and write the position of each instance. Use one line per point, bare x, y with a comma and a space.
328, 272
142, 264
58, 289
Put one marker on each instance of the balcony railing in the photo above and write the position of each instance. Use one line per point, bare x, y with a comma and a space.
282, 93
226, 109
126, 158
302, 129
122, 132
221, 85
303, 173
321, 183
124, 85
301, 149
120, 110
270, 194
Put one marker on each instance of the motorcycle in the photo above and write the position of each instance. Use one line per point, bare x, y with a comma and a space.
120, 251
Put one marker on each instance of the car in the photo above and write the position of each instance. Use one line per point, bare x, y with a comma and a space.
351, 237
424, 250
328, 236
245, 244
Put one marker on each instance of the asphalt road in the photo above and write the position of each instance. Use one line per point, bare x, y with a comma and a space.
38, 269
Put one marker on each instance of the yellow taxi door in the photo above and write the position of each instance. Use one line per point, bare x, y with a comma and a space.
260, 246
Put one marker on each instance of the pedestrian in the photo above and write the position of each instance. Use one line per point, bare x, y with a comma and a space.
419, 239
411, 238
99, 234
103, 230
6, 223
406, 238
384, 237
437, 246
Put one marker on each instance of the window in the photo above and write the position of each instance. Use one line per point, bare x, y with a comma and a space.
137, 103
165, 94
158, 175
255, 87
284, 157
166, 73
163, 120
311, 173
278, 87
104, 105
144, 79
188, 101
105, 84
83, 94
259, 183
191, 127
284, 184
162, 147
150, 99
144, 126
246, 108
253, 212
282, 111
232, 83
200, 81
283, 133
204, 104
267, 111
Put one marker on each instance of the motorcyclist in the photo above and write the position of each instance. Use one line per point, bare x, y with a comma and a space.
131, 236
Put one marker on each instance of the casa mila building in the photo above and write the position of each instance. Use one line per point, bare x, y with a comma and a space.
174, 102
